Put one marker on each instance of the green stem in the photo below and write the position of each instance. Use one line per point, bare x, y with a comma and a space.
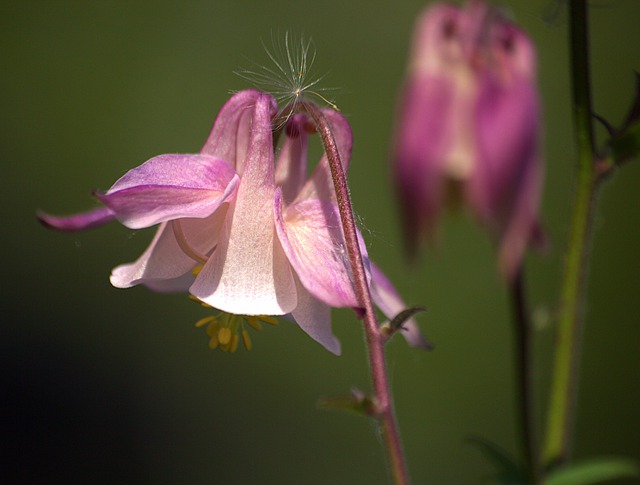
569, 334
523, 349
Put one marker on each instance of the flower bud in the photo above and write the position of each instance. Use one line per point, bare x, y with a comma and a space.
469, 122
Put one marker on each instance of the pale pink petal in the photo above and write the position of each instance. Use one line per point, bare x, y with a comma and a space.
387, 299
291, 165
507, 141
320, 184
314, 317
180, 284
423, 139
433, 136
249, 272
437, 36
229, 137
521, 228
505, 188
311, 234
177, 170
78, 222
170, 187
164, 260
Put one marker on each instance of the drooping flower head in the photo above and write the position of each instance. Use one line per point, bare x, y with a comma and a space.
469, 121
240, 231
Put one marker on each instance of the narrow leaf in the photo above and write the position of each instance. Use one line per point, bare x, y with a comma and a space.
626, 145
405, 315
356, 403
508, 470
599, 470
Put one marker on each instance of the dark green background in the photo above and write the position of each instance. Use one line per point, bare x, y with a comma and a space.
110, 386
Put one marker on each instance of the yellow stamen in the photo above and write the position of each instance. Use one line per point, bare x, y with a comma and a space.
224, 335
234, 342
198, 300
253, 322
246, 339
203, 321
225, 329
213, 328
213, 341
267, 319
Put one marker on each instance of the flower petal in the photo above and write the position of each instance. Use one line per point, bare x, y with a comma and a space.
249, 273
164, 264
314, 317
320, 184
505, 189
424, 134
78, 222
291, 166
433, 137
387, 299
229, 137
507, 127
311, 234
522, 227
170, 187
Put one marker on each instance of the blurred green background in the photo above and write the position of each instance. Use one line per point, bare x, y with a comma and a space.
110, 386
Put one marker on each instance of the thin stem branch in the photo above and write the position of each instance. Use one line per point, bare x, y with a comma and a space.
561, 409
524, 353
374, 337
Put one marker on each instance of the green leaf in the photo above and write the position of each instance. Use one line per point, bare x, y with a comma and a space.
598, 470
626, 145
508, 470
405, 315
390, 328
356, 403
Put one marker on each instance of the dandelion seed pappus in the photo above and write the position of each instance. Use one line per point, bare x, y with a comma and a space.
290, 78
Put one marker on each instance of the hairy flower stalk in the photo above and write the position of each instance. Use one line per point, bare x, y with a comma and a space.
375, 338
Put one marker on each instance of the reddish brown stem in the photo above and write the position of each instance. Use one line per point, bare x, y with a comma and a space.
374, 337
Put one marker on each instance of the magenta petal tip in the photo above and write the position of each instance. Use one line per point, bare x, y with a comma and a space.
77, 222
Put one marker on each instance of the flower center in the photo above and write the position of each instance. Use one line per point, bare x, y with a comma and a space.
225, 329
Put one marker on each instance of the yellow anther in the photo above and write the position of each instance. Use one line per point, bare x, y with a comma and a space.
224, 336
246, 339
213, 328
196, 270
226, 329
234, 342
198, 300
213, 341
203, 321
253, 322
266, 319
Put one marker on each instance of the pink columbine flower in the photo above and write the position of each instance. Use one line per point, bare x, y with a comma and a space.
469, 121
240, 231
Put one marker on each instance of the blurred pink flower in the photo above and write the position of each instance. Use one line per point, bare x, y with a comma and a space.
240, 231
469, 121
